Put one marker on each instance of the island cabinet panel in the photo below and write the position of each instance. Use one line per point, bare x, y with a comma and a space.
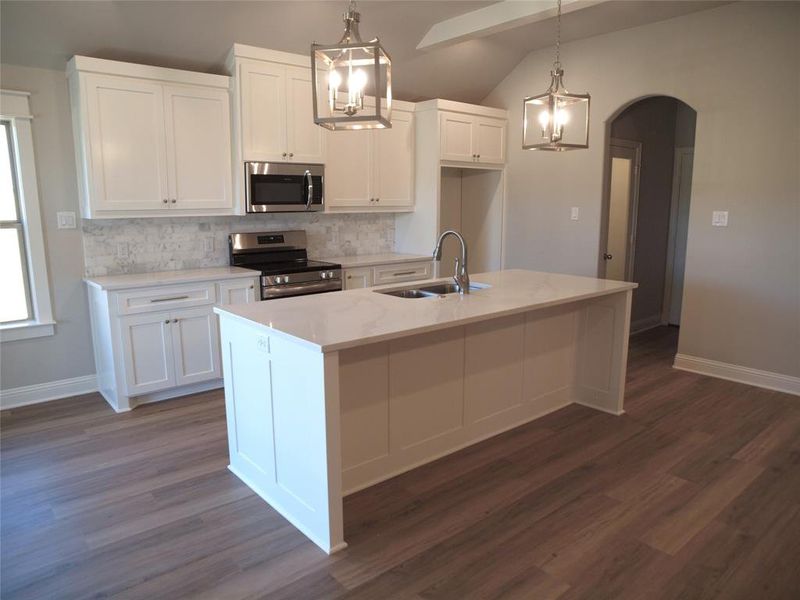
426, 385
364, 388
494, 353
551, 336
281, 399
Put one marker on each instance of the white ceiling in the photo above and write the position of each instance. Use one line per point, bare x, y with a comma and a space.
197, 34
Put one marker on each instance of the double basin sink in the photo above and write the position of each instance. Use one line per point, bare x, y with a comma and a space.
433, 290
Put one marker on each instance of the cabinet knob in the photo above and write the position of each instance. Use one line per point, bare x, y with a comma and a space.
377, 199
479, 155
349, 276
165, 201
174, 320
166, 322
174, 201
291, 154
284, 155
251, 287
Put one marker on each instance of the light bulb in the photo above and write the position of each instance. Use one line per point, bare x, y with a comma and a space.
357, 81
544, 119
334, 80
562, 117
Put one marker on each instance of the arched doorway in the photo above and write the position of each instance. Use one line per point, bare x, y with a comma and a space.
649, 150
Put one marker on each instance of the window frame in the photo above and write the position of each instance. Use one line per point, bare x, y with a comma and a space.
15, 109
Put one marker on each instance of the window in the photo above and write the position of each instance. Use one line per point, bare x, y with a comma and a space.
25, 309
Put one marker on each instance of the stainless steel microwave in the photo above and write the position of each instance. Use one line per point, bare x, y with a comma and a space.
284, 187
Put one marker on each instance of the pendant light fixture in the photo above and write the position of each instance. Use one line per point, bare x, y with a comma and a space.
342, 76
556, 120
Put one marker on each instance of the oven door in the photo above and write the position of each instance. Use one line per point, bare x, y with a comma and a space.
300, 289
283, 187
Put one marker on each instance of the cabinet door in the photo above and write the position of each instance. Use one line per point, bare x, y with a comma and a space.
394, 162
147, 352
239, 291
127, 141
490, 140
348, 170
263, 98
198, 147
195, 338
358, 278
456, 137
306, 139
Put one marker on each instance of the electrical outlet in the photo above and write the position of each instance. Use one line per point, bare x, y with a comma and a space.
66, 220
574, 213
719, 218
208, 244
122, 250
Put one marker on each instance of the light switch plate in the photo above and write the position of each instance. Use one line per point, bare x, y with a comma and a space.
66, 220
719, 218
122, 249
574, 213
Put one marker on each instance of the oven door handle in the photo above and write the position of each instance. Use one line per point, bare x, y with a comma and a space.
309, 188
330, 285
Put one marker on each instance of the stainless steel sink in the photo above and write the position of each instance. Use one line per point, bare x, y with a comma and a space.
433, 290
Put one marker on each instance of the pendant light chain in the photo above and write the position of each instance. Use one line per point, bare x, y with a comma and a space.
557, 64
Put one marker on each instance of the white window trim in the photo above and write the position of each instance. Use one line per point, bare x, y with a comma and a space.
15, 107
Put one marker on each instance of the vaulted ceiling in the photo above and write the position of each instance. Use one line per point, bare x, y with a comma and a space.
197, 34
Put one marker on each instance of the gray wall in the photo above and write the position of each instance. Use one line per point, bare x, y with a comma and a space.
68, 353
741, 302
652, 123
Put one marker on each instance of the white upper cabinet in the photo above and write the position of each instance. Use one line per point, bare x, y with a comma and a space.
150, 141
127, 167
198, 147
277, 118
472, 138
372, 169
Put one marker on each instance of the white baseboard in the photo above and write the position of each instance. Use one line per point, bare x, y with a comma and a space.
756, 377
43, 392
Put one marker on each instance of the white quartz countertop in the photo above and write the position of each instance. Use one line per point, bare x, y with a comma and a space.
369, 260
339, 320
140, 280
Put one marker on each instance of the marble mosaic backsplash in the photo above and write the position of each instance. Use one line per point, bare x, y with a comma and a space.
116, 246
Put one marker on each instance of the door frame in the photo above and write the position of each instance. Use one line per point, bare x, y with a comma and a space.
633, 212
681, 152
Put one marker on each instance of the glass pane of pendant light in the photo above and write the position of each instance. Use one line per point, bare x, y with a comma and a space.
352, 81
556, 120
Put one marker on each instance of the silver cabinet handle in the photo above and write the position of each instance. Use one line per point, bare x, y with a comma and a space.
403, 273
170, 298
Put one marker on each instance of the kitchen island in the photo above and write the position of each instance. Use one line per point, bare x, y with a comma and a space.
332, 393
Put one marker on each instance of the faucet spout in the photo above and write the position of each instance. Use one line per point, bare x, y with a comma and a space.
461, 276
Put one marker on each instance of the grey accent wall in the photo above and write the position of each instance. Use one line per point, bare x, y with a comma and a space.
68, 353
741, 302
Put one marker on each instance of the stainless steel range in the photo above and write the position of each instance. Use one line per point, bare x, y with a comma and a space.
282, 258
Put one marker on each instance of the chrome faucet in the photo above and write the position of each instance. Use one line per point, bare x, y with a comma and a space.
461, 276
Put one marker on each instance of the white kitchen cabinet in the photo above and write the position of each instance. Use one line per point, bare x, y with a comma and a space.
372, 169
158, 337
238, 291
150, 141
359, 277
195, 344
198, 147
472, 138
277, 119
147, 352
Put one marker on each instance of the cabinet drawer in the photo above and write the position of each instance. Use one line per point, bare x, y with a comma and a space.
402, 272
166, 298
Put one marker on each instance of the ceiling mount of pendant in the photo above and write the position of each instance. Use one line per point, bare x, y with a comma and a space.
556, 120
352, 80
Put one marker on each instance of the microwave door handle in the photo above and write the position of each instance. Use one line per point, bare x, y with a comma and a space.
309, 188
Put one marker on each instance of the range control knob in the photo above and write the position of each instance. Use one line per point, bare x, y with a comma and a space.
330, 274
323, 274
285, 279
279, 279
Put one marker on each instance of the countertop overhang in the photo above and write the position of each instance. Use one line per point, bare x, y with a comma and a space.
339, 320
141, 280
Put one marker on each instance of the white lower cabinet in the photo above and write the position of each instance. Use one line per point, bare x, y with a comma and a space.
161, 341
364, 277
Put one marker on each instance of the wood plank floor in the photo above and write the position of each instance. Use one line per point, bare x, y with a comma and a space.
694, 493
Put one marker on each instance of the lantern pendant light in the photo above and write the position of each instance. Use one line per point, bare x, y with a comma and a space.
556, 120
342, 76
